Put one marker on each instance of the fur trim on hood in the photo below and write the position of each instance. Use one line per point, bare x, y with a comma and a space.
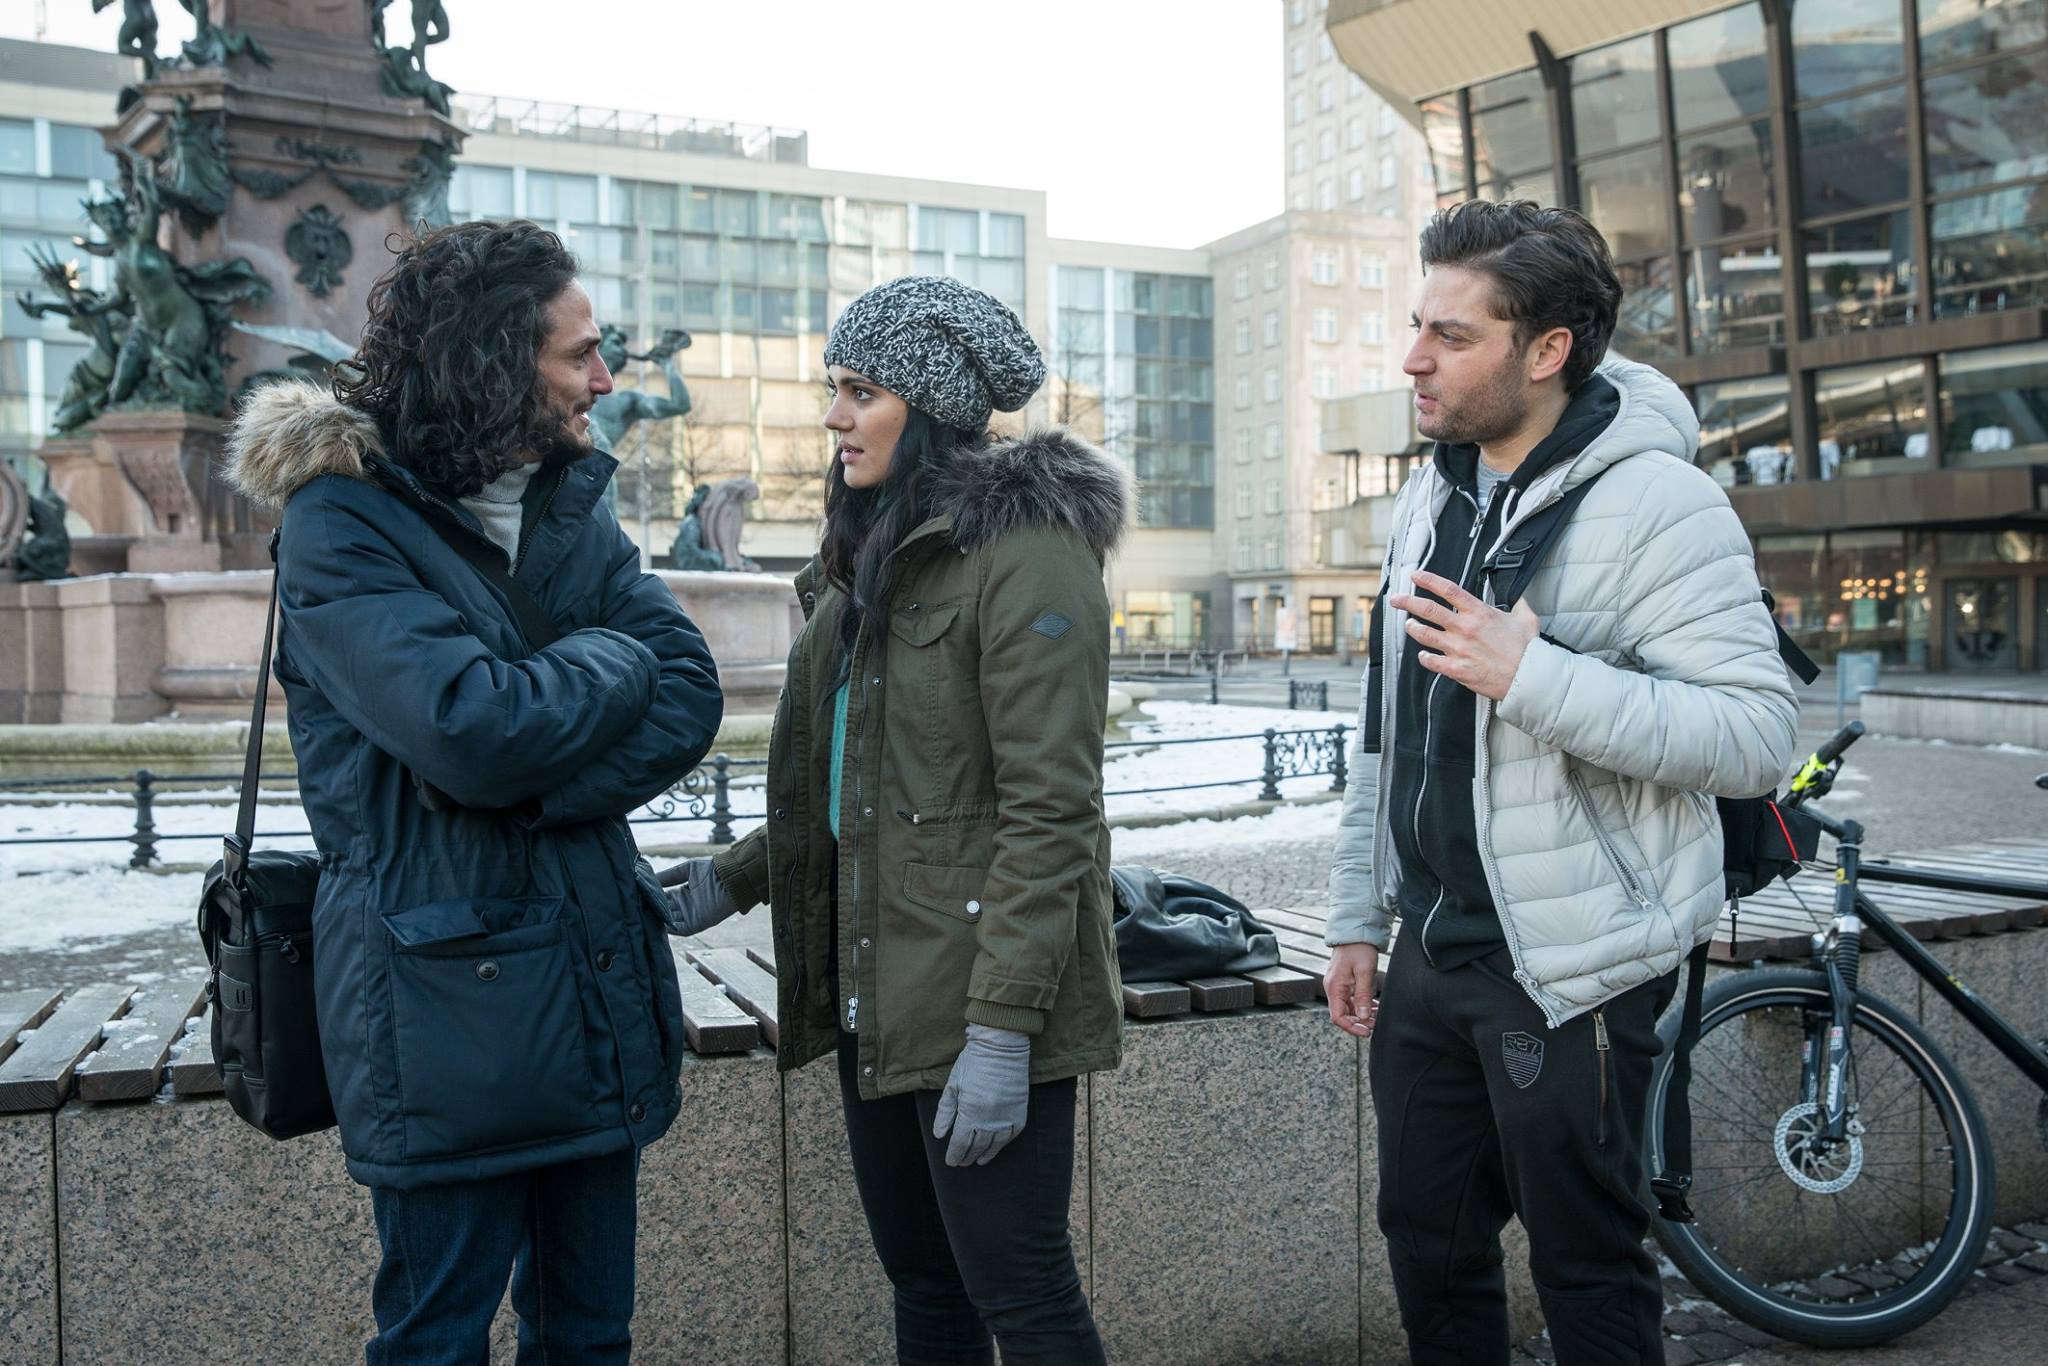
1046, 477
290, 433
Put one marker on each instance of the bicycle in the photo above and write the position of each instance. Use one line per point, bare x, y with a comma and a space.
1829, 1131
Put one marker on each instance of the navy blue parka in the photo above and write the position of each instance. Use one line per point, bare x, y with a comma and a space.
496, 990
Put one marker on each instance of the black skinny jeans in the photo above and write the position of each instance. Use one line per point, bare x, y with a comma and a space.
972, 1250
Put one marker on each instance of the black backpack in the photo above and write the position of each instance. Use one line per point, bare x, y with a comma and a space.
1761, 841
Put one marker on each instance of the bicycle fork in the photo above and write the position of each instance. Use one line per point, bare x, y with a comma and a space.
1824, 1070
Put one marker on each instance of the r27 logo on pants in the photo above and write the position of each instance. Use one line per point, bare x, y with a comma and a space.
1522, 1054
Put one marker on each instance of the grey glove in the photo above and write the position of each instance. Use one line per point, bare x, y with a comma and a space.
985, 1099
700, 902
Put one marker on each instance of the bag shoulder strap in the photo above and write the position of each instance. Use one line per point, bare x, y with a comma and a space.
1510, 568
1671, 1184
235, 851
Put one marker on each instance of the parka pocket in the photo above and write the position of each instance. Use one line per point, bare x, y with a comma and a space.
920, 623
924, 956
487, 1026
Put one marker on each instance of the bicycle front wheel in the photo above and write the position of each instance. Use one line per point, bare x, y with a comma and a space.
1837, 1244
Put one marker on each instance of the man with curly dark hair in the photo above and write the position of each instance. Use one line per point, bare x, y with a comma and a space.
482, 684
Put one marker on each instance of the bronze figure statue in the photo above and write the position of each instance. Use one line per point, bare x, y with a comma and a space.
172, 355
405, 68
212, 45
196, 178
138, 32
621, 408
45, 553
100, 318
689, 551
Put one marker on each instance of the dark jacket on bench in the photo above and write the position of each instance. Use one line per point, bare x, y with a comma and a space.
496, 991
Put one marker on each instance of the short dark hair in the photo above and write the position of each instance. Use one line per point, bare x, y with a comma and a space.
449, 361
1550, 267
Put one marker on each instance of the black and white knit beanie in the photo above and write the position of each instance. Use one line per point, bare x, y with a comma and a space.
941, 346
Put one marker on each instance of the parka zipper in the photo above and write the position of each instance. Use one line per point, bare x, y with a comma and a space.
1600, 1055
526, 533
1429, 726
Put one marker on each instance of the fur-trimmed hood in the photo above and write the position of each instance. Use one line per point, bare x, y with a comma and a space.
1047, 477
289, 434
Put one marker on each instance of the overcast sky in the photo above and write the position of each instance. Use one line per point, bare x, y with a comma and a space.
1148, 121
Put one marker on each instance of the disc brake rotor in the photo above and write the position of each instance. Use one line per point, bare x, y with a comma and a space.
1824, 1171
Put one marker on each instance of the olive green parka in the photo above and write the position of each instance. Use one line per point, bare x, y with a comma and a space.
973, 858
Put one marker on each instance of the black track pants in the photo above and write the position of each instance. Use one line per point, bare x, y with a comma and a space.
1486, 1114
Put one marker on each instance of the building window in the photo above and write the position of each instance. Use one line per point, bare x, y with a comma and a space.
1718, 67
1389, 172
1614, 95
1387, 119
1244, 443
1323, 267
1295, 11
1841, 46
1372, 328
1994, 406
1354, 185
1354, 132
1859, 273
1243, 554
1510, 135
1241, 283
1243, 395
1324, 51
1272, 441
1326, 95
1244, 500
1272, 497
1272, 384
1241, 337
1297, 157
1991, 252
1871, 413
1326, 144
1735, 296
1270, 325
1297, 58
1271, 272
1326, 194
1323, 381
1354, 85
1373, 383
1272, 552
1323, 325
1297, 107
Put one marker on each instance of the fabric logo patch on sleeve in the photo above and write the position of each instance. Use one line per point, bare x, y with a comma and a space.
1523, 1056
1052, 626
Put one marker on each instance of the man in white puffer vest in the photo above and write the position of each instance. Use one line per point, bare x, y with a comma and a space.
1533, 794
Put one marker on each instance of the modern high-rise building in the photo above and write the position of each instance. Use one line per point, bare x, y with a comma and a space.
1832, 220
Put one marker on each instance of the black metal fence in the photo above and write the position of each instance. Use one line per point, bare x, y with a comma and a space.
703, 794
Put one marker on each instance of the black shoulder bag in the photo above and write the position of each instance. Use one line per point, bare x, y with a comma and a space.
256, 922
1761, 841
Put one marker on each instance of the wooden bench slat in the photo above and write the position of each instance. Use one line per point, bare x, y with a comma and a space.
130, 1064
1283, 985
1299, 921
752, 989
1155, 1000
21, 1010
1220, 993
764, 959
1304, 963
193, 1072
37, 1076
711, 1022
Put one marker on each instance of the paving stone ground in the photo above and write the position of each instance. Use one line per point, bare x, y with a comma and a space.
2008, 1291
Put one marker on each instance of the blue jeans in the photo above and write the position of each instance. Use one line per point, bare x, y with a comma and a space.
563, 1234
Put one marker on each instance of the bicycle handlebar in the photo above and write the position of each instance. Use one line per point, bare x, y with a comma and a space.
1839, 741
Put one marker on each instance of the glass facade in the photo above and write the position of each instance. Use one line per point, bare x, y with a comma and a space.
756, 277
1806, 256
47, 170
1132, 369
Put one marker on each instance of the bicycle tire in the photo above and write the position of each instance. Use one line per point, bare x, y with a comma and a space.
1764, 1263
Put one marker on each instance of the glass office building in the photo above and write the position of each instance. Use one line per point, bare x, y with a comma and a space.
1831, 218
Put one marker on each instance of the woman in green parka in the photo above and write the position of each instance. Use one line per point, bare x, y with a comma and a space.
935, 854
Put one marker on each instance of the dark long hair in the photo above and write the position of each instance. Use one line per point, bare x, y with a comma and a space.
864, 526
448, 365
